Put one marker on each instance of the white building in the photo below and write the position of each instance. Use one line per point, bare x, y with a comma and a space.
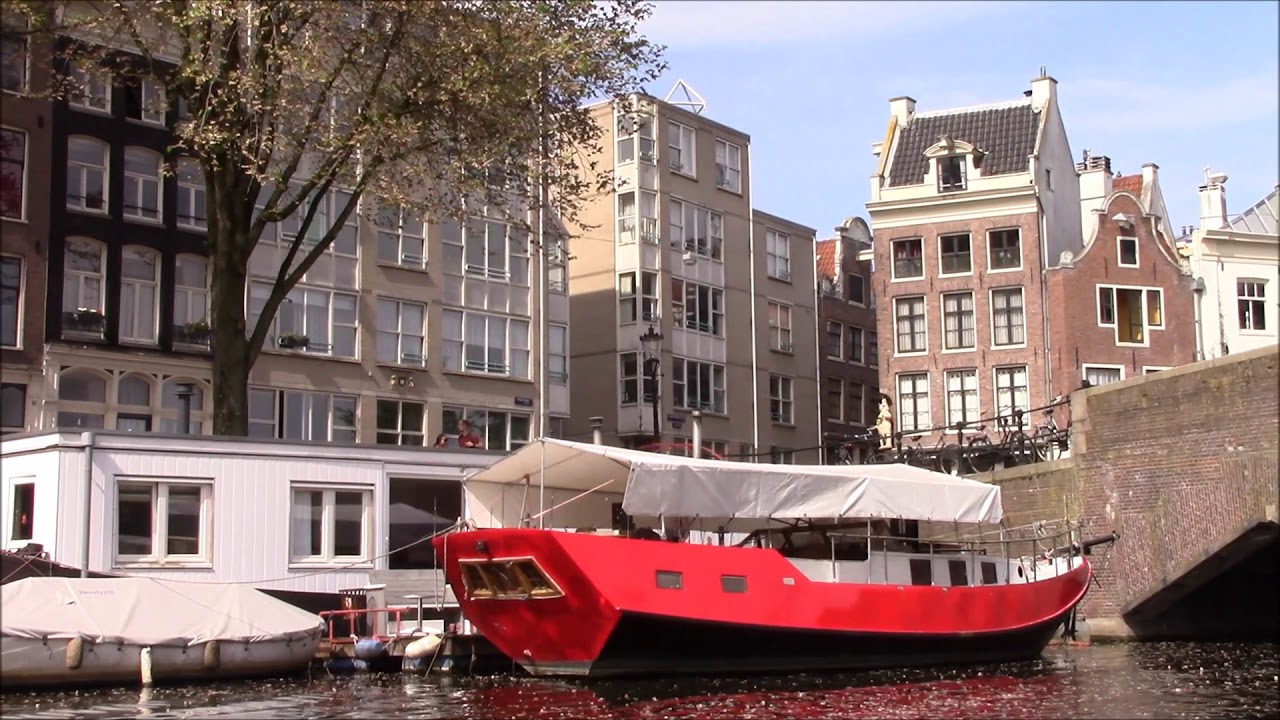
1235, 262
278, 515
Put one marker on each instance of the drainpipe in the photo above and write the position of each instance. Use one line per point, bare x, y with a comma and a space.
597, 436
85, 515
1198, 289
755, 341
697, 433
1044, 296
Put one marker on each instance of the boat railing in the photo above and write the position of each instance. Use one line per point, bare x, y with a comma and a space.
366, 620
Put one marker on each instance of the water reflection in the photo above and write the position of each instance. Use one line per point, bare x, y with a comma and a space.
1119, 681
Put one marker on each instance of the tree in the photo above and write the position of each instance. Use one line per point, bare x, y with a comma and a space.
297, 109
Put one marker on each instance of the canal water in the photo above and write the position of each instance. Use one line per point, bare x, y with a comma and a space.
1159, 680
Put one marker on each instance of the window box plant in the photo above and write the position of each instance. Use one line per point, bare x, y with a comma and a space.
293, 341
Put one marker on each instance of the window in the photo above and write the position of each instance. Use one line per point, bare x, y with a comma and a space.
305, 416
668, 580
853, 403
1007, 321
1004, 249
10, 301
1152, 369
779, 326
86, 174
24, 510
835, 340
90, 89
777, 255
192, 197
1131, 311
1097, 375
401, 237
648, 222
141, 183
989, 576
162, 521
698, 385
171, 406
133, 401
699, 308
401, 422
728, 166
913, 402
479, 343
781, 399
328, 209
144, 101
962, 397
957, 321
951, 172
683, 151
82, 398
14, 55
854, 334
401, 329
733, 583
627, 300
1011, 390
13, 408
908, 258
82, 286
959, 571
498, 430
557, 353
1127, 250
635, 128
696, 229
630, 371
312, 319
13, 174
909, 313
835, 399
139, 290
921, 571
1252, 304
956, 256
873, 349
855, 289
328, 525
191, 300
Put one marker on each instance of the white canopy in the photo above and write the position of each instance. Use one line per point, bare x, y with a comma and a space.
673, 486
146, 611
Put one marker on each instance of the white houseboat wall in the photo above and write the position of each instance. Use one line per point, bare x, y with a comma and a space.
274, 514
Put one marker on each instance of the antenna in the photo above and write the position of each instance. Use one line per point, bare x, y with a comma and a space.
692, 100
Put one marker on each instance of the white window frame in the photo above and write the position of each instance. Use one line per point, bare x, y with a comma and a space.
400, 433
1145, 293
1086, 367
643, 386
15, 34
307, 433
782, 399
1150, 369
967, 392
1257, 305
777, 261
959, 314
942, 238
82, 300
512, 253
707, 303
137, 184
1006, 395
634, 129
83, 170
1137, 259
19, 299
780, 326
411, 347
145, 328
961, 162
515, 355
22, 183
834, 340
557, 353
923, 328
510, 442
856, 344
685, 368
991, 268
328, 526
862, 287
684, 219
643, 305
150, 97
728, 166
914, 379
191, 189
1006, 312
297, 298
683, 160
893, 257
90, 89
393, 228
159, 555
195, 297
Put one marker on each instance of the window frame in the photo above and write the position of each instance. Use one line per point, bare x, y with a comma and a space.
16, 35
834, 394
961, 314
683, 369
558, 359
510, 442
191, 192
1144, 293
81, 277
642, 386
139, 285
943, 255
1120, 242
160, 488
516, 360
397, 235
22, 400
328, 556
996, 313
782, 399
833, 334
19, 299
960, 165
894, 260
1255, 303
191, 294
1086, 367
923, 330
682, 160
298, 298
278, 423
400, 432
858, 416
1011, 389
777, 255
779, 311
919, 400
638, 298
687, 317
856, 347
104, 170
23, 163
969, 415
991, 250
151, 117
729, 174
81, 79
402, 358
861, 301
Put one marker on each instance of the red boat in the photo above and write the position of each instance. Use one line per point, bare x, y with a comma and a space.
841, 585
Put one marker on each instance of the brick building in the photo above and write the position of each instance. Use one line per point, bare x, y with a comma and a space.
847, 319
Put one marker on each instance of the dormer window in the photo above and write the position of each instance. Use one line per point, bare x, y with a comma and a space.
951, 172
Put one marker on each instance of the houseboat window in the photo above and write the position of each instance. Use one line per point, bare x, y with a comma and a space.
669, 580
959, 572
733, 583
474, 581
921, 571
537, 581
502, 577
24, 508
507, 579
989, 573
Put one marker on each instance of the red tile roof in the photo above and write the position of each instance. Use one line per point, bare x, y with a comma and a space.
825, 252
1128, 183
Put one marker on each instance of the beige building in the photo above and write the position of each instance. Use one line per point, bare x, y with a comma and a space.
676, 249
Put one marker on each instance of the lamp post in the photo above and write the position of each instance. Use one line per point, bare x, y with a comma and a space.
651, 341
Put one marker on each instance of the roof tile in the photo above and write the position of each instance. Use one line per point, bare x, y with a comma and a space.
825, 251
1005, 132
1129, 184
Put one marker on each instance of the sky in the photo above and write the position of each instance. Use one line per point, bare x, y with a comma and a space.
1184, 85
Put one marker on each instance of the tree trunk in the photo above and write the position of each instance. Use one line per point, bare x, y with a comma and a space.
231, 355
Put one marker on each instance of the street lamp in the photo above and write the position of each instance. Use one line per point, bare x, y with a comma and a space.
651, 341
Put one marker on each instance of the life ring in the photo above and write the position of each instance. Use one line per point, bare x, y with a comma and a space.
75, 653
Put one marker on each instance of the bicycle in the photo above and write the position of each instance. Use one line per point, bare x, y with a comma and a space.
1014, 443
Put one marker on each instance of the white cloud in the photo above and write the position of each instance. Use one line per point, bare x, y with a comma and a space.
1135, 106
684, 25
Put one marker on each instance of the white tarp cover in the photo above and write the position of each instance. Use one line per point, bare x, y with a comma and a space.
146, 611
675, 486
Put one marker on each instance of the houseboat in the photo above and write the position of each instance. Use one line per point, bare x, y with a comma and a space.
721, 567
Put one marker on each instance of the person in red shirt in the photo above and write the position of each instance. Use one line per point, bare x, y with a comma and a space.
467, 437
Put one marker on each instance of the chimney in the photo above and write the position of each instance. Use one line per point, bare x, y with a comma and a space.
1095, 181
1213, 200
1044, 90
902, 108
